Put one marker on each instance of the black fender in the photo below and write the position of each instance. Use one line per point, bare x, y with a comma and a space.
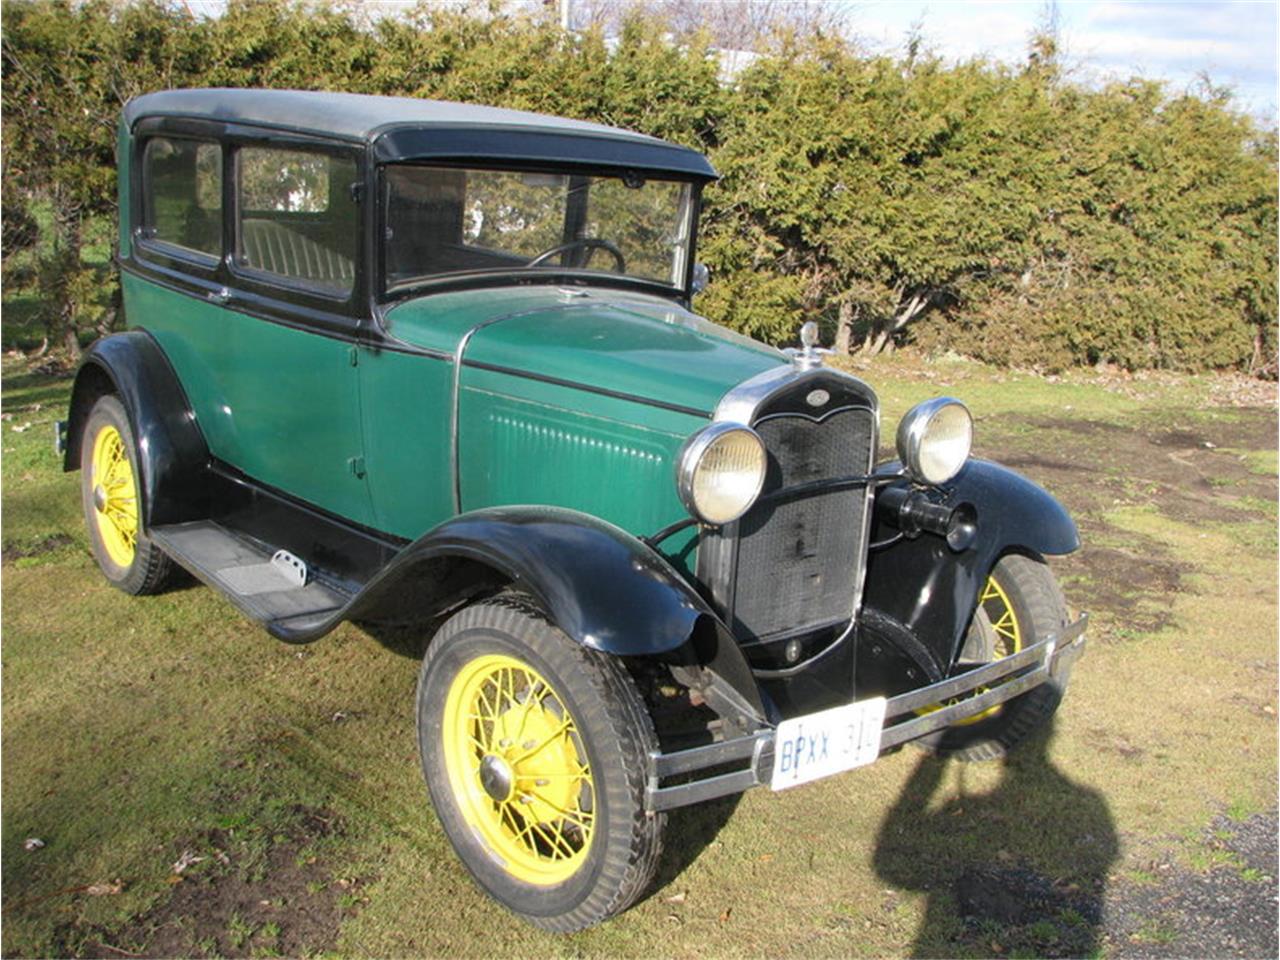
921, 584
173, 457
599, 584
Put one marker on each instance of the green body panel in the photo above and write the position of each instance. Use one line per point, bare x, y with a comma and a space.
528, 442
278, 403
547, 435
644, 346
292, 410
408, 405
124, 177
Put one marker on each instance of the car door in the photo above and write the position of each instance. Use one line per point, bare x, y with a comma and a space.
266, 350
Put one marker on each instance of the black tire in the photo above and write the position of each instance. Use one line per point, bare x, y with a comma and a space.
1036, 601
146, 569
594, 695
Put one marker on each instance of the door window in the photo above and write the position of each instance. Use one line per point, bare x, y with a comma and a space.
298, 219
182, 191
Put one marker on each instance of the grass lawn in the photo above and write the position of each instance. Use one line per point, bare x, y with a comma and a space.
202, 789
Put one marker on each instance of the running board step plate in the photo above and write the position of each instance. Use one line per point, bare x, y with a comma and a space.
266, 586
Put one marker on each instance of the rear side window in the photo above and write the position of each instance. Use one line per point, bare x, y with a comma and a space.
182, 194
298, 220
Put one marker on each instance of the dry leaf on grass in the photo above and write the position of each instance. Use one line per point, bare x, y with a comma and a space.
187, 859
104, 889
32, 843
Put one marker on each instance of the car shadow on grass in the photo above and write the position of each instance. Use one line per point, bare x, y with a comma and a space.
1020, 870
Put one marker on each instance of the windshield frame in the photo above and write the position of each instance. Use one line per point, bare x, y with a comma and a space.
506, 276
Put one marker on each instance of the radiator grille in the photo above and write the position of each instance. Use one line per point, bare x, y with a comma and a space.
798, 561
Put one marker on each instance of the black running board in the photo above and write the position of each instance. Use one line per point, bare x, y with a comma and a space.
241, 570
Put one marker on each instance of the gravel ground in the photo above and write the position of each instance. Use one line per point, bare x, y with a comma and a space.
1229, 910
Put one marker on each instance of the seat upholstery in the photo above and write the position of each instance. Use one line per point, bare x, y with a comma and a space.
280, 248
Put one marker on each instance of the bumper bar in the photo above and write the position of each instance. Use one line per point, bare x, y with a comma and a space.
980, 689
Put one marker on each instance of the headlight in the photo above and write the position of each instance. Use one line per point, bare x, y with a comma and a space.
721, 472
934, 439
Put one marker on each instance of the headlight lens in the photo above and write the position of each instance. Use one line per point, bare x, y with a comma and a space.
934, 439
721, 472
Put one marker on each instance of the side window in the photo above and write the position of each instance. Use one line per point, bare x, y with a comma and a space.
182, 194
298, 219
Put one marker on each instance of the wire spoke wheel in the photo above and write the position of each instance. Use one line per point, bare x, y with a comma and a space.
1020, 604
995, 634
115, 496
534, 750
515, 759
111, 494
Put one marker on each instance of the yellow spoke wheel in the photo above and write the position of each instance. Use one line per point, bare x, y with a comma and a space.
1004, 638
534, 749
115, 496
1019, 606
517, 765
111, 496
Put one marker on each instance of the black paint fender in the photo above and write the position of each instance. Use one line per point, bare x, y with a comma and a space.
597, 583
930, 590
173, 457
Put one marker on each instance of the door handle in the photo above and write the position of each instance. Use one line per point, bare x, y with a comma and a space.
221, 295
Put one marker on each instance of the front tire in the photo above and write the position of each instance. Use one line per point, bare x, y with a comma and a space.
534, 750
1021, 604
111, 495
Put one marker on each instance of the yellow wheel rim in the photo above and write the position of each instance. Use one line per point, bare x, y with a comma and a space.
998, 608
115, 497
518, 769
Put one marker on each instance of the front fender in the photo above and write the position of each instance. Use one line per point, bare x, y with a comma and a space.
930, 590
600, 585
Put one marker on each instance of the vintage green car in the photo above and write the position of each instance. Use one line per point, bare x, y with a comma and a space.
433, 365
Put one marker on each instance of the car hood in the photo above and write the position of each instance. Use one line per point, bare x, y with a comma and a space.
614, 341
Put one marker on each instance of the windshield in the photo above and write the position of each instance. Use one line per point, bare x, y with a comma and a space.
447, 220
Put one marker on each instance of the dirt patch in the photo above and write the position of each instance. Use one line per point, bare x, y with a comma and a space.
14, 551
1180, 466
1226, 911
1131, 584
1185, 472
1108, 741
237, 902
1019, 911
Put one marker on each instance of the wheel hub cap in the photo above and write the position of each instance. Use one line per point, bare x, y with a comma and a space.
496, 778
100, 498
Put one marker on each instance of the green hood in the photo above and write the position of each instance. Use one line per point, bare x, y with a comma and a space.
617, 341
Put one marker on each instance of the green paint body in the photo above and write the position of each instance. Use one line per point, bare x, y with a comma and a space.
565, 398
578, 397
278, 403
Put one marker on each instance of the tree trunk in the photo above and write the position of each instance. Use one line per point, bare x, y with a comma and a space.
877, 343
63, 308
844, 328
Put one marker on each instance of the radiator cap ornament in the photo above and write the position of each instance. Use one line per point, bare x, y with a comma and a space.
810, 355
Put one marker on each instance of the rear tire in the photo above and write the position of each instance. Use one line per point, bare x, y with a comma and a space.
111, 494
1023, 605
534, 750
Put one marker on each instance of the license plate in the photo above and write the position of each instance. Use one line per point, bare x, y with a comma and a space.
830, 741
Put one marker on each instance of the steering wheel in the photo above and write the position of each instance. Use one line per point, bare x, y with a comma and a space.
586, 243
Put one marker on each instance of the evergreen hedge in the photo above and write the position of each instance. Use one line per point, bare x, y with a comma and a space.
1002, 212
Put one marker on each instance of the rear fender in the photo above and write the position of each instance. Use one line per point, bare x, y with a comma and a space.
922, 585
172, 454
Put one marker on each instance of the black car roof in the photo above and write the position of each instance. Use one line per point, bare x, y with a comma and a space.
404, 128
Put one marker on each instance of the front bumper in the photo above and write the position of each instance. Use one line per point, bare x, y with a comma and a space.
1004, 679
